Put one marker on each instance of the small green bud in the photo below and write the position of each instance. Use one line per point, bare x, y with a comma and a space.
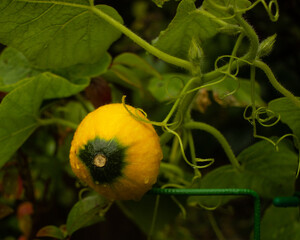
230, 29
266, 46
195, 54
159, 3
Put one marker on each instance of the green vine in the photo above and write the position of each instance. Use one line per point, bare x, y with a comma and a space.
183, 102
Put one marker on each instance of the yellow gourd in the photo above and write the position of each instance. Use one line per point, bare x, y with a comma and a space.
116, 154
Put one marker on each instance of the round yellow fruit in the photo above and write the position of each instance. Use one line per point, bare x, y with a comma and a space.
116, 154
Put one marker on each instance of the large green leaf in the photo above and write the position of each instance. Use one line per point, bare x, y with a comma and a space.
52, 34
82, 70
280, 223
268, 172
13, 67
19, 110
289, 113
85, 213
168, 86
189, 23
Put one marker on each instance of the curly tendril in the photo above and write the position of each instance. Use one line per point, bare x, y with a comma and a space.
166, 128
272, 8
138, 117
227, 73
82, 191
209, 208
274, 15
269, 119
296, 139
197, 160
264, 116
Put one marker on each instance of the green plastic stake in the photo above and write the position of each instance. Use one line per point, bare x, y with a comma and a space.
293, 201
224, 191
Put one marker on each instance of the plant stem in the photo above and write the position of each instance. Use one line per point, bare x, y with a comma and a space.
263, 66
154, 218
193, 153
185, 102
174, 151
219, 136
250, 33
252, 92
50, 121
215, 226
141, 42
216, 20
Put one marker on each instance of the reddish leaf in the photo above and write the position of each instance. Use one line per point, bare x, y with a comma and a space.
22, 238
24, 209
12, 186
50, 231
98, 92
24, 212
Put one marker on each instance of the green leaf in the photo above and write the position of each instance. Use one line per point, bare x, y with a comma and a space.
59, 87
73, 111
14, 67
168, 87
264, 170
57, 34
124, 76
130, 71
20, 108
86, 70
189, 23
280, 223
141, 212
50, 231
220, 12
289, 113
134, 61
85, 213
239, 93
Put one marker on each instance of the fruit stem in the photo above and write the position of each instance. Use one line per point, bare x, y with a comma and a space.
100, 160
